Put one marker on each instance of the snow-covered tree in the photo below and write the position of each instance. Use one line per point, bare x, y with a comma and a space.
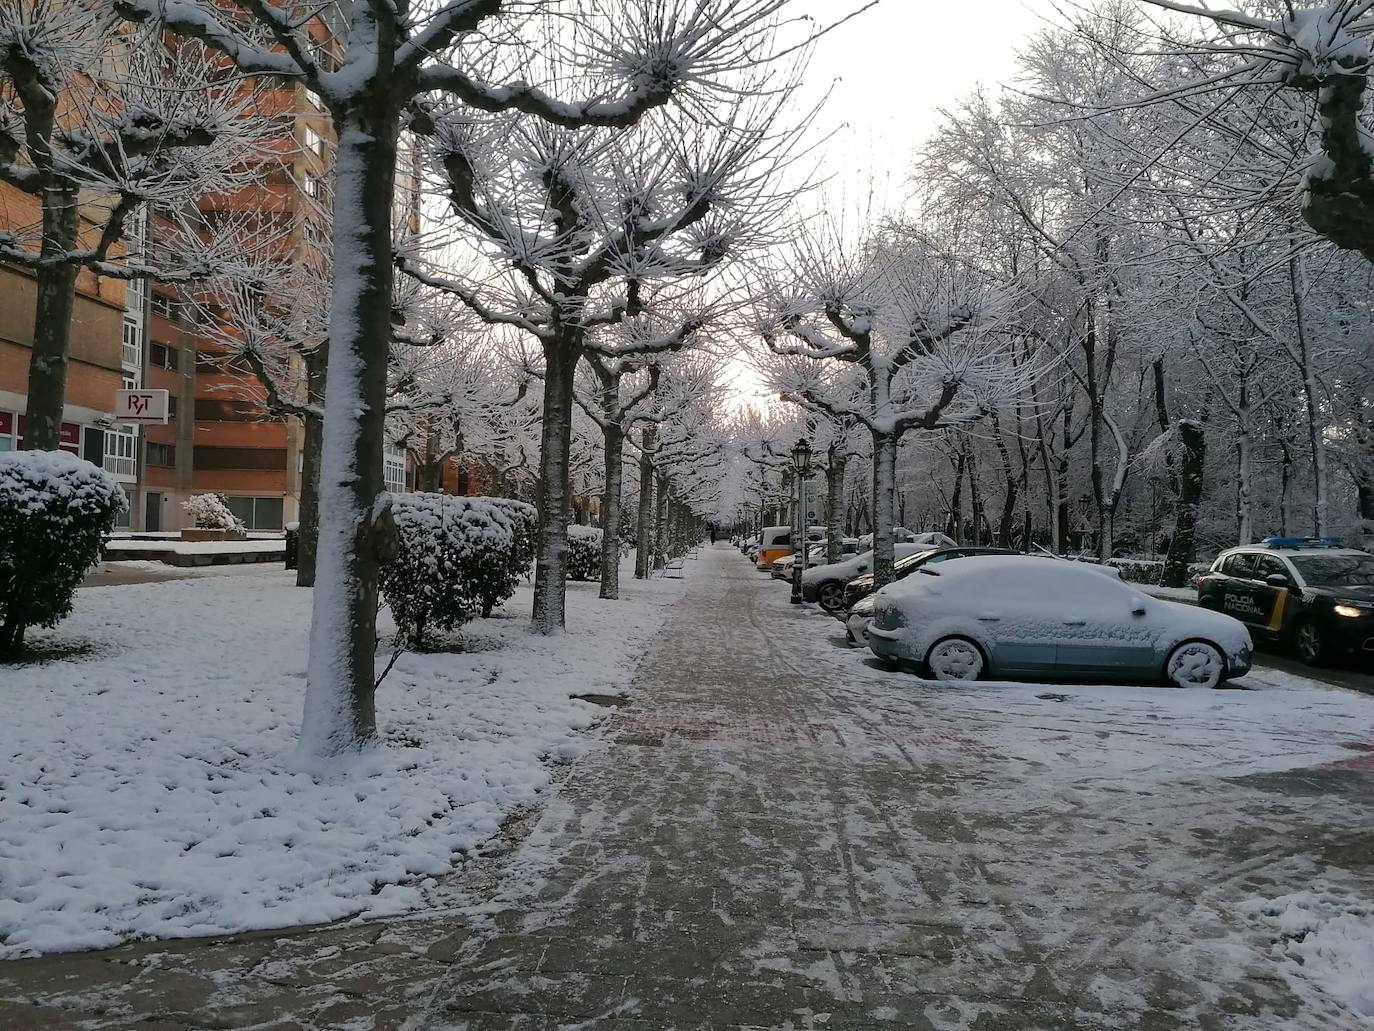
376, 67
99, 124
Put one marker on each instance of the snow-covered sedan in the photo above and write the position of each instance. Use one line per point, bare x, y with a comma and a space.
825, 584
1022, 617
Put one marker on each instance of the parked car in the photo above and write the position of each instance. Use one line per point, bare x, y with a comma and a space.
776, 543
863, 586
856, 621
826, 583
1003, 616
1310, 594
782, 568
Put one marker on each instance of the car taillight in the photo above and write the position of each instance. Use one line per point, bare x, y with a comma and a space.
1197, 580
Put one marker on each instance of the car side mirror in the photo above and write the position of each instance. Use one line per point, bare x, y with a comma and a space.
1139, 608
1277, 580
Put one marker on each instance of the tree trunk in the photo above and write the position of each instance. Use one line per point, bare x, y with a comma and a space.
356, 532
308, 532
1183, 543
613, 441
661, 524
644, 556
1244, 518
52, 325
884, 478
834, 501
555, 444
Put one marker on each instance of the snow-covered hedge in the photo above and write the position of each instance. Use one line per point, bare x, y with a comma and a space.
56, 512
210, 512
457, 557
1148, 570
584, 553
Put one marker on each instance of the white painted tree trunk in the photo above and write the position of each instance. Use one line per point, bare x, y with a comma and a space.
339, 712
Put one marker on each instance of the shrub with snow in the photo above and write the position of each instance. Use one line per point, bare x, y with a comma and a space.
584, 553
210, 512
56, 512
457, 556
524, 524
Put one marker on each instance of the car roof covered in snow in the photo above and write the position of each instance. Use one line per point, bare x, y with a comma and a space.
1051, 574
1261, 549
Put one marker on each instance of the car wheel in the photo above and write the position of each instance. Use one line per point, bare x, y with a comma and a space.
831, 596
955, 658
1195, 664
1308, 643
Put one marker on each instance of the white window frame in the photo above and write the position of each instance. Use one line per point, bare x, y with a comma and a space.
314, 142
131, 344
394, 471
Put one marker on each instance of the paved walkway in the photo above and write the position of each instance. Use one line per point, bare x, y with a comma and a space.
783, 837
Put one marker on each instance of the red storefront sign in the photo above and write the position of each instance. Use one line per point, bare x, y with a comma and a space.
69, 435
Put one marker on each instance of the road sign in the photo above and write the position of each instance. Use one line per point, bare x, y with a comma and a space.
813, 502
141, 406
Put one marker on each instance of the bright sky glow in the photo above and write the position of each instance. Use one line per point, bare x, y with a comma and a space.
890, 71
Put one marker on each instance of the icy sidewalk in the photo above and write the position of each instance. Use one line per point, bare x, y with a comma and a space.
782, 836
147, 788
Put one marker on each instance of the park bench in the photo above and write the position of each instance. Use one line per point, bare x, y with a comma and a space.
673, 568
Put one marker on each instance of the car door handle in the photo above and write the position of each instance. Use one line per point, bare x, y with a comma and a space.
1075, 622
989, 619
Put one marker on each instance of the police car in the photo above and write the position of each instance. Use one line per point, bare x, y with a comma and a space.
1309, 593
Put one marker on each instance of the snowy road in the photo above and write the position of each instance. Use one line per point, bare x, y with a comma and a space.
781, 835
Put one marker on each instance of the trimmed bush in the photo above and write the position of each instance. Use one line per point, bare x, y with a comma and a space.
584, 553
456, 557
56, 512
1149, 571
210, 512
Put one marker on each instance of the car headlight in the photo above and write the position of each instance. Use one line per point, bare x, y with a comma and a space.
1351, 608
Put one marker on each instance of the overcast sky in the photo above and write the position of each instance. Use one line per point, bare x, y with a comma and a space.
893, 68
890, 70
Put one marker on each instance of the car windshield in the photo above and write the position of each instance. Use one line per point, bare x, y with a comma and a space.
911, 561
1336, 570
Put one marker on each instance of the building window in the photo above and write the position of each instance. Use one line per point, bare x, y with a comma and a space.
394, 471
161, 454
310, 186
167, 307
314, 99
121, 445
163, 356
258, 513
171, 406
215, 410
131, 354
266, 458
314, 142
8, 421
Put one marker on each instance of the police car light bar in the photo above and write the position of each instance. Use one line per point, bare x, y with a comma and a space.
1303, 542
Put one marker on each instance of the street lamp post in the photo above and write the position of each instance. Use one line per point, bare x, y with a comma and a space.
801, 462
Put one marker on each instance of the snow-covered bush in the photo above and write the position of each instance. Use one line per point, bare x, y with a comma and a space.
457, 556
584, 553
1148, 570
55, 513
210, 512
524, 526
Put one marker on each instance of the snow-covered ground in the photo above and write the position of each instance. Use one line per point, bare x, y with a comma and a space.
180, 547
147, 787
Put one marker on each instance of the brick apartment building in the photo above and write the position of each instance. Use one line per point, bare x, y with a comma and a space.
219, 437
